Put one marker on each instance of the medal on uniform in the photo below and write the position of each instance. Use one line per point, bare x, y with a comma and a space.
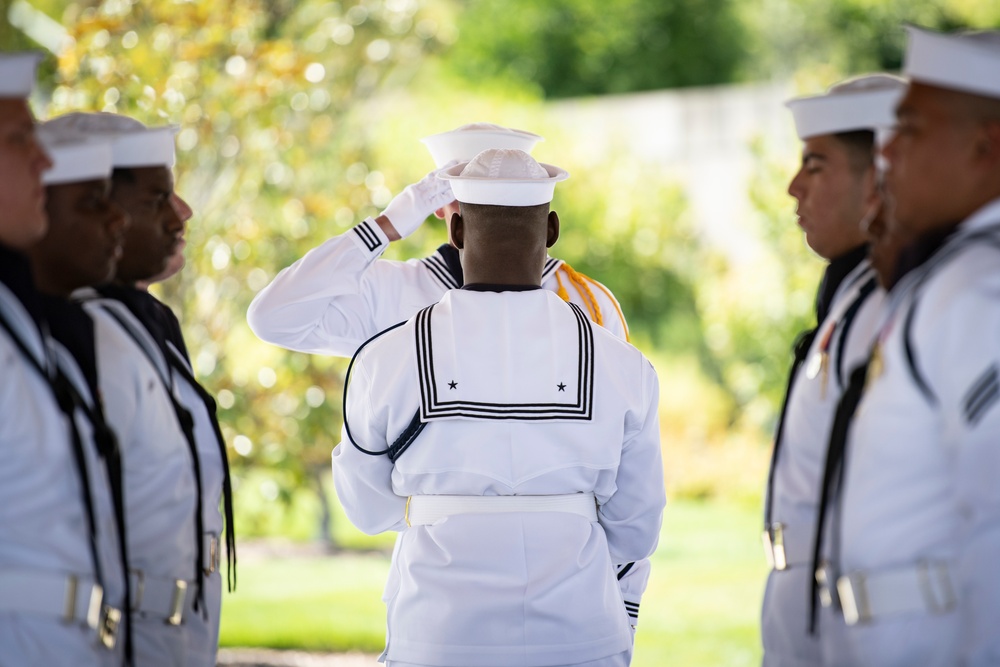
819, 362
876, 364
814, 366
876, 360
824, 370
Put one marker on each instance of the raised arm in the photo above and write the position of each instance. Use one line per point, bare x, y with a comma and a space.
340, 293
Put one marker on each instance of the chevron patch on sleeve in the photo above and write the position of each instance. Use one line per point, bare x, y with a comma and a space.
981, 396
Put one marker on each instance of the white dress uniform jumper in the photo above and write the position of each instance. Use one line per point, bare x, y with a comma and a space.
485, 429
62, 580
914, 563
840, 343
162, 493
159, 323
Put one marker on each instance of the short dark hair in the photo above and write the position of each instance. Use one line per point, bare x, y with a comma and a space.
860, 145
123, 175
504, 213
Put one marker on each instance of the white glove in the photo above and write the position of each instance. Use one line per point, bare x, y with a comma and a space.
408, 210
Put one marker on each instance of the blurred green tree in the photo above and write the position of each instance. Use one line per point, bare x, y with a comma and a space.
853, 36
570, 48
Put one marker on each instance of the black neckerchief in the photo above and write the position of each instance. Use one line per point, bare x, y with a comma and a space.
836, 271
834, 275
449, 254
921, 249
489, 287
72, 327
153, 315
163, 326
15, 274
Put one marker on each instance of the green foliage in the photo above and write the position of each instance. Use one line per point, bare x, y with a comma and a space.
591, 47
854, 36
754, 312
570, 48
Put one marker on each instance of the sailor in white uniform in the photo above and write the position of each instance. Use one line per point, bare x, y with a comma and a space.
341, 293
61, 574
917, 533
220, 533
143, 187
836, 188
512, 442
80, 248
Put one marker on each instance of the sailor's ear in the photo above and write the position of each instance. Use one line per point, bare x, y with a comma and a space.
553, 232
456, 232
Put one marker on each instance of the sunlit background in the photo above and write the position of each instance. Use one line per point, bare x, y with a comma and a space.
298, 118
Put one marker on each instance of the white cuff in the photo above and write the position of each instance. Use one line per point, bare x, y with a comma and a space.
370, 238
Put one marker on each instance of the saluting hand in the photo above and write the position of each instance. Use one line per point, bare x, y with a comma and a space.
408, 210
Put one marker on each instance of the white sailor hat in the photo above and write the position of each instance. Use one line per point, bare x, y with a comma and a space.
133, 144
465, 142
968, 62
863, 103
75, 156
503, 177
17, 73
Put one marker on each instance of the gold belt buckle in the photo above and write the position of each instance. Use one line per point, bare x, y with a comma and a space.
824, 584
774, 546
214, 556
110, 623
69, 609
853, 592
177, 604
94, 607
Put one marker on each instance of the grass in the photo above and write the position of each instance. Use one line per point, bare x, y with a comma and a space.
701, 607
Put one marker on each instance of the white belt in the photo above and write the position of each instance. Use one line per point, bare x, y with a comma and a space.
158, 597
211, 554
868, 596
788, 548
423, 510
68, 597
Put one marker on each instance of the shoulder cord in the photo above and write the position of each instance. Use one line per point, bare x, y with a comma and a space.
580, 282
227, 488
799, 351
186, 423
406, 438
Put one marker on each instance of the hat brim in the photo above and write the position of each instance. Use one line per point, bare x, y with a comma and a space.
17, 74
77, 162
503, 191
845, 112
465, 145
953, 62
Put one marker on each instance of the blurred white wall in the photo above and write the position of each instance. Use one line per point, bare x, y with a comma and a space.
700, 138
